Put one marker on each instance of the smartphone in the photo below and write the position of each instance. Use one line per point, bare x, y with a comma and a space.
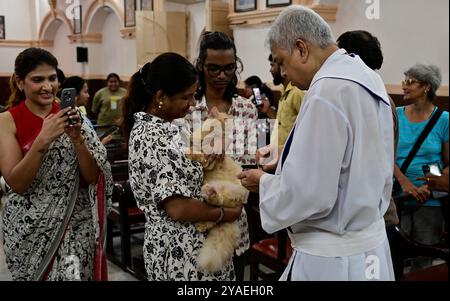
110, 131
257, 98
247, 167
68, 98
432, 169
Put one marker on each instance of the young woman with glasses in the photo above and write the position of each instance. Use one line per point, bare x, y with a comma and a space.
218, 66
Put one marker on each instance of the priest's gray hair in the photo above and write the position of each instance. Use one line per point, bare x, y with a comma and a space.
426, 74
299, 22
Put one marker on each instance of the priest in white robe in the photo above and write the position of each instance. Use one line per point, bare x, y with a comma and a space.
333, 181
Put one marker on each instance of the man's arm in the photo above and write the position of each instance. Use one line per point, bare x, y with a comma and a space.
308, 184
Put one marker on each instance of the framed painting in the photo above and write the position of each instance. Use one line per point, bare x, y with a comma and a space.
130, 13
244, 5
77, 19
2, 27
275, 3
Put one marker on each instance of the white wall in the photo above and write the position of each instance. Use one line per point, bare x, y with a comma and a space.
410, 31
197, 16
17, 16
63, 50
252, 51
118, 55
17, 27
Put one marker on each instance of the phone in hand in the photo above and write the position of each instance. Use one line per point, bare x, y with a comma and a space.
257, 97
249, 166
68, 98
433, 169
112, 130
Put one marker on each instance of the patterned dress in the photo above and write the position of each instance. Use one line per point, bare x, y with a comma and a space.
244, 144
52, 231
160, 169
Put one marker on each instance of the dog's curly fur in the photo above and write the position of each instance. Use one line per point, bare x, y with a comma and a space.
223, 189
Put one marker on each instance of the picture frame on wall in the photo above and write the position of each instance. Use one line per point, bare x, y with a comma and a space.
2, 28
130, 13
276, 3
146, 4
244, 5
77, 19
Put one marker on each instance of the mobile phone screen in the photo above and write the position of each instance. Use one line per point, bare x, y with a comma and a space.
257, 96
432, 169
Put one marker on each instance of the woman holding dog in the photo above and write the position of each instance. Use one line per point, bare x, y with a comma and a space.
218, 67
166, 184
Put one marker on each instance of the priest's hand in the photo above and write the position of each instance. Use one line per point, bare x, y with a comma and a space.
250, 179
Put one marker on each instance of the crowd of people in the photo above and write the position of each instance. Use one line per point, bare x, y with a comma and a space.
327, 174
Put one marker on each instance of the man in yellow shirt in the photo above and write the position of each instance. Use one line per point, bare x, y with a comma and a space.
288, 109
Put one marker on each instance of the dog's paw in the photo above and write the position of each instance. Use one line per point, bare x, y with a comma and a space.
209, 191
204, 226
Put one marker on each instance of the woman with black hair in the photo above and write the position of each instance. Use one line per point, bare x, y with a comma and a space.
58, 178
166, 184
218, 67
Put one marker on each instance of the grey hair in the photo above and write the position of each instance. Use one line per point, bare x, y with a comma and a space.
426, 74
299, 22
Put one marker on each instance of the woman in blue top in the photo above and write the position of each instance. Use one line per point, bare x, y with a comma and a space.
422, 219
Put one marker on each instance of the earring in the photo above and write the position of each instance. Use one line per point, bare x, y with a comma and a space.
161, 103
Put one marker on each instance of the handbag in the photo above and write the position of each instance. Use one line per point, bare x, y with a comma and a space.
397, 189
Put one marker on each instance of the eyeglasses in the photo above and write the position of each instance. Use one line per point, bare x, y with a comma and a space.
215, 70
409, 82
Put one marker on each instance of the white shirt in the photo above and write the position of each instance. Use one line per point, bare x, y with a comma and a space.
337, 176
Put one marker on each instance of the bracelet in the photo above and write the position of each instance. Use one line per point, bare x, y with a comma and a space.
79, 142
222, 213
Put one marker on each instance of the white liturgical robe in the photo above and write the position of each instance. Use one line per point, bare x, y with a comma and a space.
335, 183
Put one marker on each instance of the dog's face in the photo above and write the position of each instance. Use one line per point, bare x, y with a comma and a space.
213, 133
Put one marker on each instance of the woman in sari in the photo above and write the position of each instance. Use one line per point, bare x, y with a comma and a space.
59, 181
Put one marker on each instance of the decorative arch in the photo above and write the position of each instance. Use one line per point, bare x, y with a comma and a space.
93, 10
50, 23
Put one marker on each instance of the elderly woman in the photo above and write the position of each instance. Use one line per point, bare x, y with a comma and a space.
421, 218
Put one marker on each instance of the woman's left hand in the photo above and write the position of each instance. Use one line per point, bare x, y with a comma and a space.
73, 129
423, 194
